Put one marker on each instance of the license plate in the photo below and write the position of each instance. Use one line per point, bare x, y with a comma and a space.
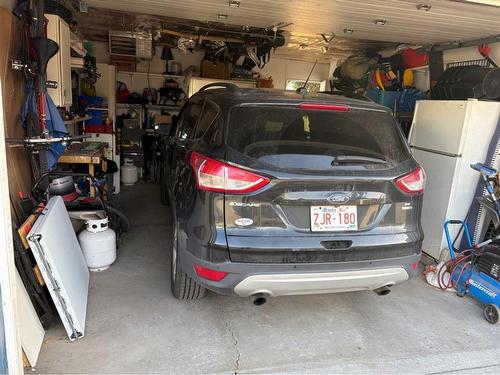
334, 218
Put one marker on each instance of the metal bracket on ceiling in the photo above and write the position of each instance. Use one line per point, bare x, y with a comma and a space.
328, 40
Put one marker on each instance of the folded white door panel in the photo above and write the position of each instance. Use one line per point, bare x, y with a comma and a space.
59, 256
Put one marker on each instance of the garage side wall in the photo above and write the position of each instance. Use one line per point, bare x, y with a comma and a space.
19, 170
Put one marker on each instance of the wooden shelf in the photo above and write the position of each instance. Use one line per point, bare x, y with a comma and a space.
421, 68
150, 106
77, 63
145, 74
76, 120
135, 105
159, 106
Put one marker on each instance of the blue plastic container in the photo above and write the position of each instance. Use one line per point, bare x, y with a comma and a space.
385, 98
91, 101
97, 117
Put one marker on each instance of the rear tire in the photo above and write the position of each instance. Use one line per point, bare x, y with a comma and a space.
164, 191
183, 287
163, 184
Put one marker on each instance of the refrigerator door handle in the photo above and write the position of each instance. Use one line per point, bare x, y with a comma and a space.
436, 151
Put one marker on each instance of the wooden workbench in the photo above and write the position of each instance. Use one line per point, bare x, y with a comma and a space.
90, 153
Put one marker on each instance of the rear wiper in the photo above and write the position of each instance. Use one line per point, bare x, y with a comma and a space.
347, 159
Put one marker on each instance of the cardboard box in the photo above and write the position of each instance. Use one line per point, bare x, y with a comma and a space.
124, 63
162, 119
218, 71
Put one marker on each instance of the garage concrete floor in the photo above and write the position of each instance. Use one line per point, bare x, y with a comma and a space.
134, 325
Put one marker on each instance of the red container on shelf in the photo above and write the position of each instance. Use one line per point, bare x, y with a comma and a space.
413, 58
103, 128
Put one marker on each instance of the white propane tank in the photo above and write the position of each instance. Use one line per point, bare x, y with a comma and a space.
128, 172
98, 243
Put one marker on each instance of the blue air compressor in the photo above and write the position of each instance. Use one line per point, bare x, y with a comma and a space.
476, 269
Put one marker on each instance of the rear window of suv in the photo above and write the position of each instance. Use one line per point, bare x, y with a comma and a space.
296, 138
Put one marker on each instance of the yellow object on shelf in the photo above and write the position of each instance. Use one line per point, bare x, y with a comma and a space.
408, 78
378, 79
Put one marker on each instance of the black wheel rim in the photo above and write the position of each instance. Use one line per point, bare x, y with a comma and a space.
491, 314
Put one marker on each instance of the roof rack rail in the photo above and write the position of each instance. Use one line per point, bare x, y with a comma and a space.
227, 85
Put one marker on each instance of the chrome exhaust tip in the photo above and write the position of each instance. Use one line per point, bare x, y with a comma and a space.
259, 299
382, 291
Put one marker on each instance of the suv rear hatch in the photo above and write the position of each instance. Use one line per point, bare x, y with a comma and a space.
332, 173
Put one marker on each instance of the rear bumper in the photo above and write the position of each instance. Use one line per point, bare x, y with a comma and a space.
246, 279
319, 282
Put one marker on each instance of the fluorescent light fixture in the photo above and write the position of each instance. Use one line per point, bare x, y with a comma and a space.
222, 16
348, 31
235, 3
379, 22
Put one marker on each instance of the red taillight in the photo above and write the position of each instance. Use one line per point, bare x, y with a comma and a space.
214, 175
413, 182
325, 107
209, 274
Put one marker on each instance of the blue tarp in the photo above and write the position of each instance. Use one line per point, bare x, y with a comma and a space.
55, 123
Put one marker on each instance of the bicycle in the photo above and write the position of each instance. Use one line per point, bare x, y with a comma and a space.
38, 50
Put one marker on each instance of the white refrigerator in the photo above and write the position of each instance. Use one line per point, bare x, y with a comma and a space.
447, 136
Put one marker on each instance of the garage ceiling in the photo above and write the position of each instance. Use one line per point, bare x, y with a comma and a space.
445, 21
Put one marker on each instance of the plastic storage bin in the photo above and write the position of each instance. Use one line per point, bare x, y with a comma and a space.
386, 98
413, 58
98, 117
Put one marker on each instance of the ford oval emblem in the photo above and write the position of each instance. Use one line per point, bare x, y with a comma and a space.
338, 198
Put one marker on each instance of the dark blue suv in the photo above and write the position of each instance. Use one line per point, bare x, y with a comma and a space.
279, 193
